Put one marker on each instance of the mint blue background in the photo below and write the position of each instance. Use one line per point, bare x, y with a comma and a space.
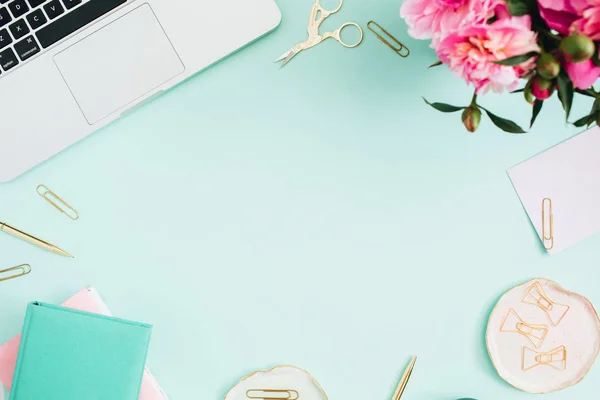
320, 215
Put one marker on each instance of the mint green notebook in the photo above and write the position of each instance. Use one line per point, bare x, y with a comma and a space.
74, 355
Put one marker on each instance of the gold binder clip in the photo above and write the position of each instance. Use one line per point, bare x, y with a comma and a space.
272, 394
14, 272
400, 48
57, 202
547, 224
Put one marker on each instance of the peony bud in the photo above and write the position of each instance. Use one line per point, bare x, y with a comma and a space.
471, 118
542, 88
577, 48
547, 66
528, 95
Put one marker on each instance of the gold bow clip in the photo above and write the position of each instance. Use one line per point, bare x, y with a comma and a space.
556, 358
535, 333
537, 296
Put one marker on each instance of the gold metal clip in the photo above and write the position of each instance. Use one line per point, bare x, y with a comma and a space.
400, 49
19, 270
272, 394
536, 334
547, 224
537, 296
57, 202
556, 358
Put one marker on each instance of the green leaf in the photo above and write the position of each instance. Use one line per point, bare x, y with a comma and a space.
565, 93
591, 118
517, 60
537, 107
587, 120
436, 64
518, 8
504, 124
443, 107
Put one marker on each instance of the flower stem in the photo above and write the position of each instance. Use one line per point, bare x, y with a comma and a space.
474, 101
592, 92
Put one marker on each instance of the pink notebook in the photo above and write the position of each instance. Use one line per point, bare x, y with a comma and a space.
85, 300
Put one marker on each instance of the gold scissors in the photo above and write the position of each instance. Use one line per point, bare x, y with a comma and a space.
317, 15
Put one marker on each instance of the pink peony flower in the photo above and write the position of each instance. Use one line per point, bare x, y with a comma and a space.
583, 74
471, 53
433, 19
589, 23
567, 16
452, 3
559, 14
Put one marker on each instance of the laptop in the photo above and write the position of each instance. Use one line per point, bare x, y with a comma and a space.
69, 67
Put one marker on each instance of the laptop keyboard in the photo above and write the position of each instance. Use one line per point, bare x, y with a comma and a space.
27, 27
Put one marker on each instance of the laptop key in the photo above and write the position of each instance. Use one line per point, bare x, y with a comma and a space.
27, 48
36, 19
71, 3
35, 3
75, 20
19, 29
5, 17
8, 59
54, 9
18, 8
5, 38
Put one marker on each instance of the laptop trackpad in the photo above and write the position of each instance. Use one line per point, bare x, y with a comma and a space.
118, 64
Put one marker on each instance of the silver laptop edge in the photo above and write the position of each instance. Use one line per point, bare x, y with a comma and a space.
55, 94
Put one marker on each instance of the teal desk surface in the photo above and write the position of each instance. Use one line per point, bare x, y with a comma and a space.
319, 215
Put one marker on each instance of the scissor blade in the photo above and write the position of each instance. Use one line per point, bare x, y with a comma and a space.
288, 58
284, 55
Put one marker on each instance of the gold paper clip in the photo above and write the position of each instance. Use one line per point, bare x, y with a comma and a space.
536, 295
400, 49
556, 358
272, 394
57, 202
19, 270
404, 380
547, 224
535, 333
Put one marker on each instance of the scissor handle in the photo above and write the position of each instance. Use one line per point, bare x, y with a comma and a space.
337, 35
330, 11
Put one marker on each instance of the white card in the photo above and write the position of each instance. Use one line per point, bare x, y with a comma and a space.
569, 175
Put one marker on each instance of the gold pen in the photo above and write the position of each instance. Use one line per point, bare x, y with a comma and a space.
32, 239
404, 380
